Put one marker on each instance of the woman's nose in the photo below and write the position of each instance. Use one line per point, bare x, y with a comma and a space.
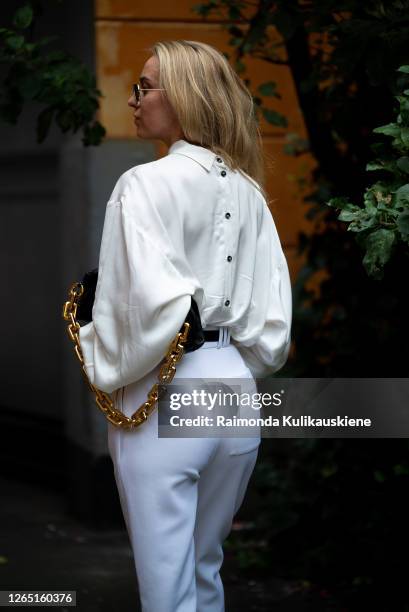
131, 101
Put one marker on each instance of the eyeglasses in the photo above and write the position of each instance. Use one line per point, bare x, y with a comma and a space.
137, 89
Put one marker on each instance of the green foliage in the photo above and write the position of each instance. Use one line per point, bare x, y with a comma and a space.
346, 86
333, 512
249, 42
23, 17
274, 118
59, 82
383, 221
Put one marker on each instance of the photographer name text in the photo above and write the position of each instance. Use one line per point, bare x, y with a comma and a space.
269, 421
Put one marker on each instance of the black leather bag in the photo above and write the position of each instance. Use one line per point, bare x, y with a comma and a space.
84, 309
195, 337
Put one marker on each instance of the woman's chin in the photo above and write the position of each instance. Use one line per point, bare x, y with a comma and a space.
142, 135
139, 130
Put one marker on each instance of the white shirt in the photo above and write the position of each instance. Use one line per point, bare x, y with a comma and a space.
185, 225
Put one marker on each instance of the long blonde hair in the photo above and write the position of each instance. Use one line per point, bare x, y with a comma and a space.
214, 107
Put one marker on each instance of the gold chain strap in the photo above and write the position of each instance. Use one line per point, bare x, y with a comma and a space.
104, 400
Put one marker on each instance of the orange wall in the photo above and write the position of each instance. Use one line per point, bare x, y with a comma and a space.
125, 28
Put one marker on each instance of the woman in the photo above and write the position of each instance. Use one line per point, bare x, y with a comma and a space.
194, 223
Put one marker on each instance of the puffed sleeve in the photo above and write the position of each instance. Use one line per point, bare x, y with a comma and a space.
268, 352
143, 293
265, 342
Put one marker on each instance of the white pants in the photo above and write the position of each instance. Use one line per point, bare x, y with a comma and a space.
179, 495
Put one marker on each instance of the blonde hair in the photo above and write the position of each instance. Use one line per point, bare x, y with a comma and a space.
214, 107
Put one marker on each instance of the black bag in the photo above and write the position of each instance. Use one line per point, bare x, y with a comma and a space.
84, 309
195, 338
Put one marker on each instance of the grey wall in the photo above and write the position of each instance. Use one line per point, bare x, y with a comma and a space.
30, 233
52, 205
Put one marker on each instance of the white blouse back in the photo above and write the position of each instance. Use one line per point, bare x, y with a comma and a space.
186, 225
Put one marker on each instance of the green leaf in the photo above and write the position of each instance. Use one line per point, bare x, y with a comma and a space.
64, 119
93, 134
402, 195
363, 222
376, 165
329, 470
15, 42
56, 56
370, 200
391, 129
379, 476
404, 69
404, 134
240, 66
295, 144
400, 470
386, 166
43, 123
269, 89
348, 215
235, 42
274, 118
23, 17
342, 203
31, 85
46, 40
403, 164
202, 9
402, 223
378, 251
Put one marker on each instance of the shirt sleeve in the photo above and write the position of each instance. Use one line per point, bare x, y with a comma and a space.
265, 342
267, 352
143, 292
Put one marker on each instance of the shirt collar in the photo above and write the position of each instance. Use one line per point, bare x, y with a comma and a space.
201, 155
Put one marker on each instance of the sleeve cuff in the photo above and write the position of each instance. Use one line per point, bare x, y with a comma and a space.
86, 335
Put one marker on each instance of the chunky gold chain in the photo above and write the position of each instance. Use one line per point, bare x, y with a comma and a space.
104, 400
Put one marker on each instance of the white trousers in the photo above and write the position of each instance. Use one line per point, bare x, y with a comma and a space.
179, 495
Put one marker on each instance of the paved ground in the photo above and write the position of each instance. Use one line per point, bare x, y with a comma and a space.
43, 548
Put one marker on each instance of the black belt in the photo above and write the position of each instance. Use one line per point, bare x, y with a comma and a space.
211, 335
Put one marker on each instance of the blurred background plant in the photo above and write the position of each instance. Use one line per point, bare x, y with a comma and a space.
343, 57
332, 512
61, 84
